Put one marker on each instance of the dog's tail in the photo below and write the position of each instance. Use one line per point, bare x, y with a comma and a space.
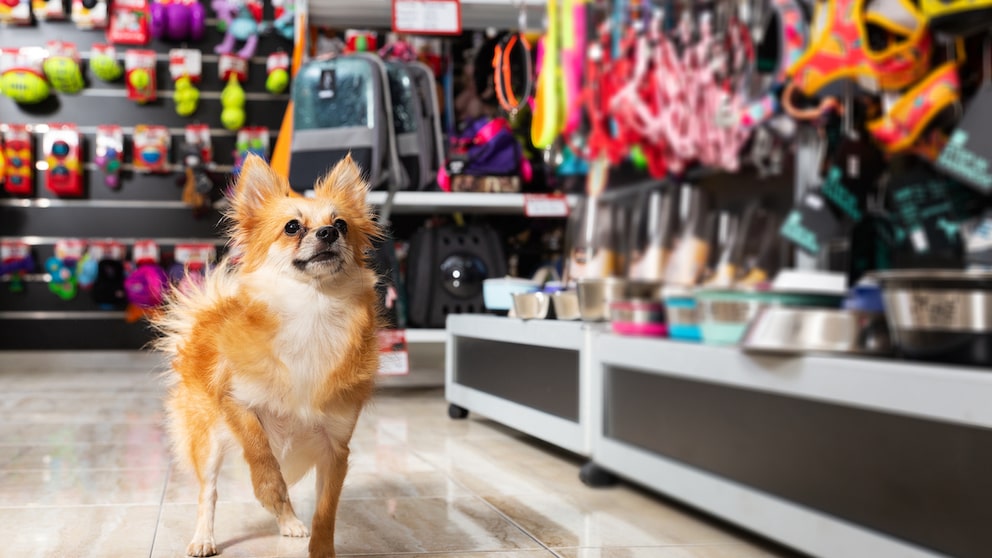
185, 301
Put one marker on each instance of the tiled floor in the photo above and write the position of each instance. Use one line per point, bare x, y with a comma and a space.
85, 471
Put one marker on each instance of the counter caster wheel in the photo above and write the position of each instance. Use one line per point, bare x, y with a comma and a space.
456, 412
595, 476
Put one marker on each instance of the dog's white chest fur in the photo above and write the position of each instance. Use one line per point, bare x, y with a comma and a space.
312, 336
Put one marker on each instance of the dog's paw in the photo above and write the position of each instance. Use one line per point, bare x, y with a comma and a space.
293, 527
319, 549
202, 548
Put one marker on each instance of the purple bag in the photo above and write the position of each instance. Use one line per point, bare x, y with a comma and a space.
487, 147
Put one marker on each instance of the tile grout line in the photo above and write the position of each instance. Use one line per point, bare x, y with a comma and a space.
161, 510
475, 495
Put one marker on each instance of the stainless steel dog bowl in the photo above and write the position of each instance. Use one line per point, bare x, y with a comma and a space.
566, 305
797, 330
940, 315
595, 296
531, 306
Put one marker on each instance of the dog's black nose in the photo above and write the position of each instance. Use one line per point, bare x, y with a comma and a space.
327, 234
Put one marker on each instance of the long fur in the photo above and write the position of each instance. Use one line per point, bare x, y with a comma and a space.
274, 355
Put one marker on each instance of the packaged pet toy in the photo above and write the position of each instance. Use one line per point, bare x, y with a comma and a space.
277, 66
186, 69
60, 268
139, 68
242, 20
62, 67
21, 75
50, 10
197, 154
128, 22
15, 262
104, 63
61, 147
19, 160
151, 148
285, 18
15, 12
110, 153
253, 140
146, 285
90, 14
178, 20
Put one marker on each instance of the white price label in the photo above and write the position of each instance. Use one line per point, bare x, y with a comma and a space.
427, 17
394, 359
543, 205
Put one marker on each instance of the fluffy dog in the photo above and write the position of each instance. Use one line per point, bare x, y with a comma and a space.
276, 354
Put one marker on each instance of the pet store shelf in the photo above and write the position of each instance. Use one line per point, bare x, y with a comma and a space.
951, 394
530, 375
451, 202
476, 14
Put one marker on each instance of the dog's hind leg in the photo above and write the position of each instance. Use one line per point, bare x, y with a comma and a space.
331, 470
266, 476
207, 455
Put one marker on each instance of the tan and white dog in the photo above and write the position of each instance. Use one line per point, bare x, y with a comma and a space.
276, 356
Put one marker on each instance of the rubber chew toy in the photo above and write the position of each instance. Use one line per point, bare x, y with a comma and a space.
104, 63
243, 20
178, 20
187, 96
232, 98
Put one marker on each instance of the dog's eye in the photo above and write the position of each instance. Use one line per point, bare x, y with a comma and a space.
293, 227
341, 226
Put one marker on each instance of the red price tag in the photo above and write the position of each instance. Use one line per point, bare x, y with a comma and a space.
394, 359
427, 17
545, 205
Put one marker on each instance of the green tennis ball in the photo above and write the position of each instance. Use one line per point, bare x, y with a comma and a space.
233, 95
186, 108
233, 118
139, 78
64, 74
277, 81
106, 67
24, 87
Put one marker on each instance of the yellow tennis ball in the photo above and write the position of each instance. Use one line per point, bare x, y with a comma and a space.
277, 81
139, 78
232, 118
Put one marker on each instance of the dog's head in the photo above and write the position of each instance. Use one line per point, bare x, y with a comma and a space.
314, 238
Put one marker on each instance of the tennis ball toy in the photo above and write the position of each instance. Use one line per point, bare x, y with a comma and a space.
64, 74
187, 96
105, 67
232, 98
139, 78
277, 81
24, 86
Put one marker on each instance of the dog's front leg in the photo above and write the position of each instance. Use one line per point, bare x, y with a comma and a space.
331, 470
266, 477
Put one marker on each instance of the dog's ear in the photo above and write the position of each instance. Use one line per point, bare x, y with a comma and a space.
257, 183
345, 179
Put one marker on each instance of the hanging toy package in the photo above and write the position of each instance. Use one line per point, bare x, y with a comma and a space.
15, 12
186, 69
151, 148
18, 158
104, 63
110, 153
62, 150
15, 262
90, 14
277, 68
140, 75
233, 71
197, 155
61, 267
128, 22
22, 76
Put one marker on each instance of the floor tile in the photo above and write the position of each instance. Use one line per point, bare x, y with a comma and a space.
81, 487
387, 526
78, 532
85, 456
613, 517
691, 551
62, 433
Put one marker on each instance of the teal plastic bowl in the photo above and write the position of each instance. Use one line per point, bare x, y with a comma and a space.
724, 315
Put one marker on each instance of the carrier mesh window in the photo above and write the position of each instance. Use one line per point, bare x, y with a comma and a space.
402, 92
336, 94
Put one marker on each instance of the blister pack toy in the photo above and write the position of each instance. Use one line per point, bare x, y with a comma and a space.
90, 14
151, 148
110, 153
18, 160
139, 75
61, 148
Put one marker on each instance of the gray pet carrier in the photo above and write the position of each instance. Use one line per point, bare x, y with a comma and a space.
342, 105
416, 121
